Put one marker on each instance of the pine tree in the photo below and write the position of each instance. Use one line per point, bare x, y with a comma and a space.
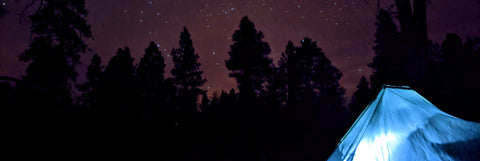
414, 42
186, 71
214, 102
150, 74
224, 99
314, 97
119, 89
89, 89
249, 63
205, 102
288, 69
150, 71
172, 101
360, 98
58, 27
318, 80
460, 77
387, 64
187, 75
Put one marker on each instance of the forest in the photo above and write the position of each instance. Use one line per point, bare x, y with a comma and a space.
293, 109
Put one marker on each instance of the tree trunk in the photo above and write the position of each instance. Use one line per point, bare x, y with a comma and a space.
413, 26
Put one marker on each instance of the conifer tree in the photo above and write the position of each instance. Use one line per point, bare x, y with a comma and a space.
360, 99
249, 63
89, 89
150, 75
187, 76
119, 92
460, 77
58, 28
205, 102
387, 64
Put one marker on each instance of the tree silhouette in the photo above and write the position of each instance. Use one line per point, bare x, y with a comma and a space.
289, 68
414, 40
119, 91
360, 98
388, 61
172, 102
205, 102
275, 94
150, 75
248, 61
89, 89
318, 82
461, 69
58, 27
187, 74
282, 77
314, 97
214, 102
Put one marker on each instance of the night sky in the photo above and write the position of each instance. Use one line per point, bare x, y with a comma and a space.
344, 29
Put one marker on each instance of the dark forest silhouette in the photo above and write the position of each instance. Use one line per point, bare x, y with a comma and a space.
290, 110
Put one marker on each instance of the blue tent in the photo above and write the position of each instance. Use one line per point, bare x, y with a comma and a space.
402, 125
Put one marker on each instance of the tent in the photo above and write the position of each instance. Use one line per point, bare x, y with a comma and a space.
402, 125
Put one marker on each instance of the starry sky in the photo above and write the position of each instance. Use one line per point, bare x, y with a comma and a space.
344, 29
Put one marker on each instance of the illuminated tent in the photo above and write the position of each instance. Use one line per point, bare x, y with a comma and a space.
402, 125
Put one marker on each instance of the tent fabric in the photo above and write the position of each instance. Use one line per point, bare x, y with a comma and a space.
400, 124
